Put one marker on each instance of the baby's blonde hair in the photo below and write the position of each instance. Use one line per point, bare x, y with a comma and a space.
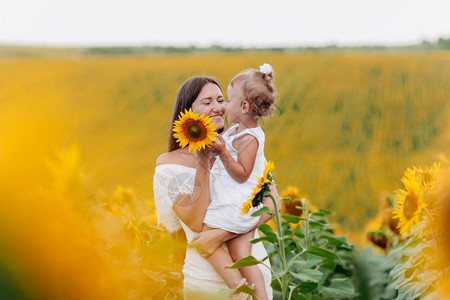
258, 90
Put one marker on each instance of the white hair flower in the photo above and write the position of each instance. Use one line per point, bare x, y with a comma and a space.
265, 69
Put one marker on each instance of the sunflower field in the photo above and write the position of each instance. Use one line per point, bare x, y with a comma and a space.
363, 137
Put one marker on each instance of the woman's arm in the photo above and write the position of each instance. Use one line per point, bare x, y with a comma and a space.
191, 208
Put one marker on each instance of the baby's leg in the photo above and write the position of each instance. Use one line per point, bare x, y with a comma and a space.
221, 258
240, 247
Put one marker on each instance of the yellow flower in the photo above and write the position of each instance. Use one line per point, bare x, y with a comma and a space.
389, 220
428, 176
248, 204
269, 167
262, 182
409, 204
379, 239
291, 207
134, 235
195, 130
425, 177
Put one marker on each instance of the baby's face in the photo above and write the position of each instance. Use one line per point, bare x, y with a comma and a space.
234, 109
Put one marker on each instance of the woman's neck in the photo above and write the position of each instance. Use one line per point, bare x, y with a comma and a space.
182, 156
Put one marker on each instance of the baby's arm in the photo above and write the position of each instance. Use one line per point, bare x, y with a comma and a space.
247, 146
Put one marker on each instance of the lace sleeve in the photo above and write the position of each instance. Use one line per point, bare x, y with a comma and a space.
166, 188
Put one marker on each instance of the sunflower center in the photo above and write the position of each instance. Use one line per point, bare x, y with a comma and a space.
196, 130
410, 206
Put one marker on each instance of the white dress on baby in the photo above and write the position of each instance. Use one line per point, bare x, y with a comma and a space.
199, 275
227, 195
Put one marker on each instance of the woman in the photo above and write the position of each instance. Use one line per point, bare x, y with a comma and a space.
182, 186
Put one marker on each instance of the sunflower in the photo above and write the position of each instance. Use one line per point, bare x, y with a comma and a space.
291, 206
195, 130
409, 204
261, 189
268, 168
427, 177
379, 239
247, 205
254, 196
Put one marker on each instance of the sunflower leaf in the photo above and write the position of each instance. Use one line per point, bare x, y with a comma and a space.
244, 262
263, 210
308, 275
291, 219
339, 288
307, 287
286, 199
267, 238
267, 230
322, 252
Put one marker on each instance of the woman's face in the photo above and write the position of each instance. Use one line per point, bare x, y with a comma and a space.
211, 102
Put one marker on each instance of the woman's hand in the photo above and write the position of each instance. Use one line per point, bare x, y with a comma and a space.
205, 154
206, 242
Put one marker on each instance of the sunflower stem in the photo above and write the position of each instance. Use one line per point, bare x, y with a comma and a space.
306, 224
280, 237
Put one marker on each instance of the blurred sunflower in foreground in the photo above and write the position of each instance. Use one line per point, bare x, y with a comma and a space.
409, 203
63, 239
419, 243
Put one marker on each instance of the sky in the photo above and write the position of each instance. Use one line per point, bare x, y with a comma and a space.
241, 23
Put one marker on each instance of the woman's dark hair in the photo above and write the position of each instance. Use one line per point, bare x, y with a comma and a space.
186, 95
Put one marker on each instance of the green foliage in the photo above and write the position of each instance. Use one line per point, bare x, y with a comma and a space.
410, 270
372, 275
414, 262
443, 43
308, 260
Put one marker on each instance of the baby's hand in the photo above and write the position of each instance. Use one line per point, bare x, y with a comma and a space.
219, 145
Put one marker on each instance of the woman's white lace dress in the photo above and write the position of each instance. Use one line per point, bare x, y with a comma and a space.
169, 181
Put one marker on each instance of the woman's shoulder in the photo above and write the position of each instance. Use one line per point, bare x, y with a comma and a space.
176, 157
165, 158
